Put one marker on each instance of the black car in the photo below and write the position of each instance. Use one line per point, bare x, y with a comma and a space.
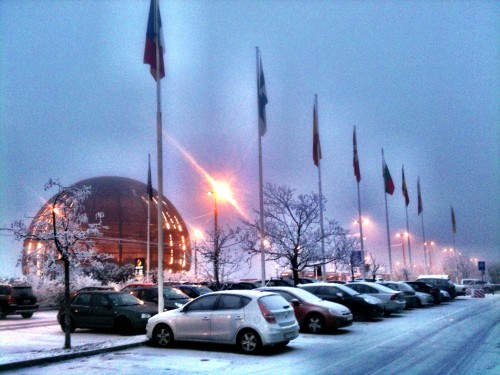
119, 311
441, 282
173, 298
422, 287
361, 305
17, 300
409, 293
192, 290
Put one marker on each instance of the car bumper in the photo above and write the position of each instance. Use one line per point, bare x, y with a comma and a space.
280, 334
21, 309
339, 321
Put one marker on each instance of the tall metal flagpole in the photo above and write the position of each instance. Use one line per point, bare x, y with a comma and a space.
323, 266
387, 220
261, 179
407, 225
159, 145
421, 211
360, 220
148, 254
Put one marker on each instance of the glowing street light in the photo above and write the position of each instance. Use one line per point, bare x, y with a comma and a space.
403, 236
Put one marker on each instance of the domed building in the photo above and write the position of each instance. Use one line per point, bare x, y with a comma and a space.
124, 202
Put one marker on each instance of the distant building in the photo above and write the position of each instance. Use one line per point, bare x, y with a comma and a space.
124, 202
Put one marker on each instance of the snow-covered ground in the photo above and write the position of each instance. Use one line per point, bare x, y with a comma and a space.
460, 337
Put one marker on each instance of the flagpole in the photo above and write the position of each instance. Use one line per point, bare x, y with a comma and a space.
421, 211
148, 254
387, 220
323, 266
405, 190
261, 180
360, 220
159, 145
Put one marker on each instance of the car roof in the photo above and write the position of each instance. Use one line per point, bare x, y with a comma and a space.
245, 292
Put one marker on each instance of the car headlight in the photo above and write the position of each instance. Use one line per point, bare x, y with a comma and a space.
334, 312
145, 316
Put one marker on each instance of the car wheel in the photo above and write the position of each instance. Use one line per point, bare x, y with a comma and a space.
162, 336
2, 314
249, 342
27, 315
123, 326
315, 323
72, 326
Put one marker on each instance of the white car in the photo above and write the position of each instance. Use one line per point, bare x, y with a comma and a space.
246, 318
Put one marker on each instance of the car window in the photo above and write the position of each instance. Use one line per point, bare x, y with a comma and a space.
328, 290
174, 293
82, 299
392, 286
124, 299
100, 300
274, 302
232, 302
149, 295
4, 289
203, 303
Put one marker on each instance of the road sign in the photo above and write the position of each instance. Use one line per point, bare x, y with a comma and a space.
481, 265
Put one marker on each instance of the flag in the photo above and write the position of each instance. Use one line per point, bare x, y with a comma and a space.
388, 183
316, 144
262, 94
453, 222
153, 36
405, 190
150, 186
355, 160
420, 206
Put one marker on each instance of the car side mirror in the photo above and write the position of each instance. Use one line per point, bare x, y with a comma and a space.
295, 302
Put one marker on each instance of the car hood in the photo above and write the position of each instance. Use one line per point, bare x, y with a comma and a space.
370, 299
331, 305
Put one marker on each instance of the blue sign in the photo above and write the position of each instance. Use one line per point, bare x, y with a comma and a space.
481, 265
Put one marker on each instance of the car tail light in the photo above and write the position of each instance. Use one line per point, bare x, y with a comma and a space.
266, 313
10, 299
394, 297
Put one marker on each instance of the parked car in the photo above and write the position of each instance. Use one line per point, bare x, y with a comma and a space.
313, 314
307, 280
361, 305
478, 284
246, 318
193, 290
394, 301
409, 293
442, 282
119, 311
173, 298
17, 300
422, 287
460, 289
445, 296
280, 282
424, 299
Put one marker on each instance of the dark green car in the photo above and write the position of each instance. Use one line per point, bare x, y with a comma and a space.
118, 311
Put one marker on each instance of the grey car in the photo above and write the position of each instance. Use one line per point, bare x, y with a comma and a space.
393, 300
246, 318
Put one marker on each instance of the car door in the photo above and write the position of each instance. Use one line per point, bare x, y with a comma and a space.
194, 321
227, 317
81, 310
102, 311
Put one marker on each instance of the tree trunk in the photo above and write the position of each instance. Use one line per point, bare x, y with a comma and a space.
67, 318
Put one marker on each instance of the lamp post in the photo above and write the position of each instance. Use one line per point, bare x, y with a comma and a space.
216, 238
403, 236
432, 243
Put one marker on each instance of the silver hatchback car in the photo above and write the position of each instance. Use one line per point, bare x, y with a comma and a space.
246, 318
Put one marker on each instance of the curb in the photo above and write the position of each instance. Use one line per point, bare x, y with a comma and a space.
67, 356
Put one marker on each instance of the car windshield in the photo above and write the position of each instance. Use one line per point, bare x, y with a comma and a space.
347, 290
305, 295
174, 293
203, 289
22, 290
124, 299
405, 286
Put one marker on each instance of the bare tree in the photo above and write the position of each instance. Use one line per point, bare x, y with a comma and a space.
62, 231
292, 231
374, 266
223, 253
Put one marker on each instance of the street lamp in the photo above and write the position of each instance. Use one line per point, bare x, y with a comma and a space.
432, 243
403, 236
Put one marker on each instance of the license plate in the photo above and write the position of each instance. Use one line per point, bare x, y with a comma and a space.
27, 301
289, 335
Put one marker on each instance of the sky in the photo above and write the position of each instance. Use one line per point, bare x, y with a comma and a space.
419, 79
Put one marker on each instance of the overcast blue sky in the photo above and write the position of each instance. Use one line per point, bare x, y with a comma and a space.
418, 78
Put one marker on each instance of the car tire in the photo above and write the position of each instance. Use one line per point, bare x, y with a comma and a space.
249, 342
315, 323
123, 326
162, 336
27, 315
3, 314
72, 326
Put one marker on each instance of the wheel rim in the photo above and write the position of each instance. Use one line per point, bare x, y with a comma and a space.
248, 342
315, 324
163, 336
